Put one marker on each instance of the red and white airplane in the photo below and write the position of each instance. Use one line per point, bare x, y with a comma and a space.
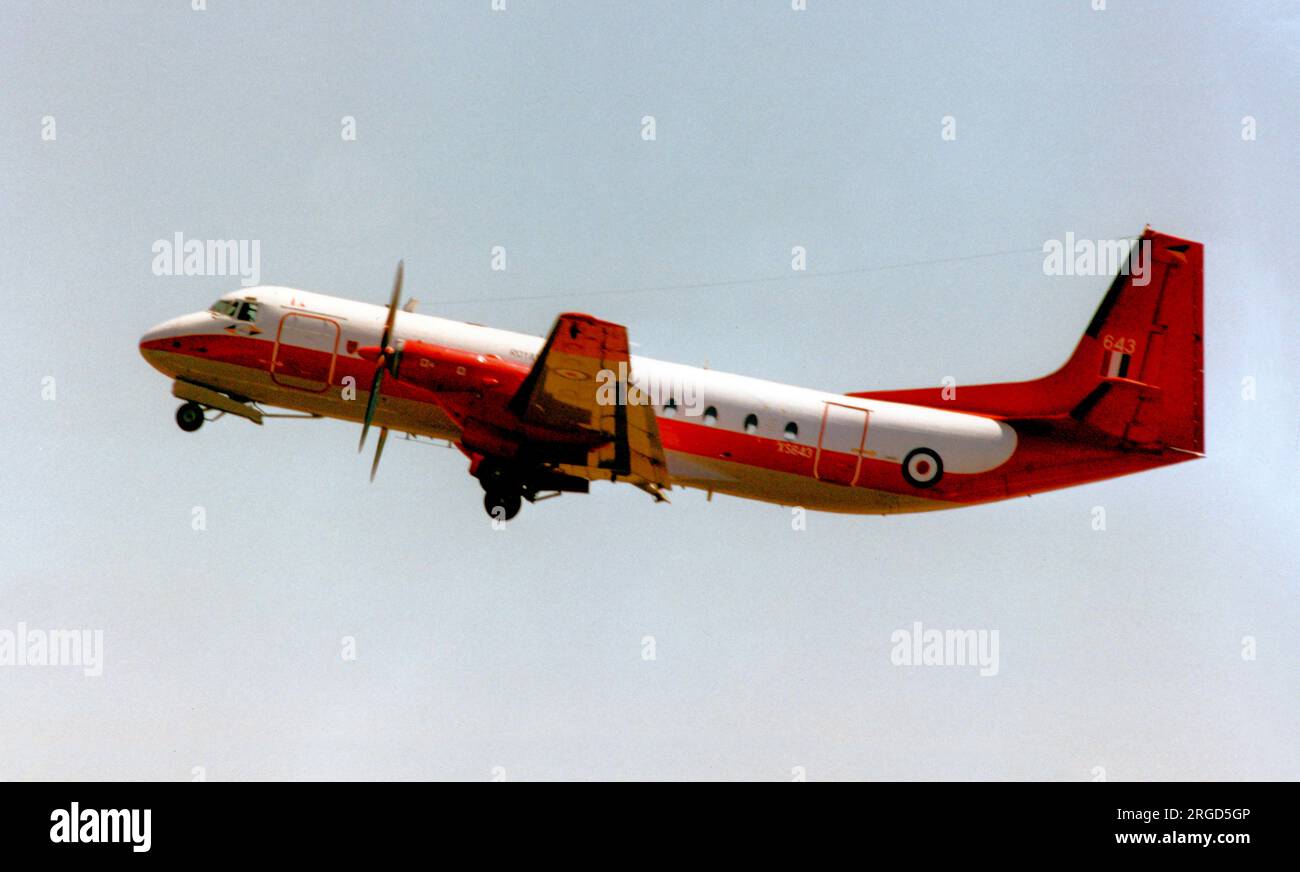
538, 417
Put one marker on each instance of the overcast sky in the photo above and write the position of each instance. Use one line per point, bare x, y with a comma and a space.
520, 653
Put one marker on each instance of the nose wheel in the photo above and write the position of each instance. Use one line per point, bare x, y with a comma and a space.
189, 417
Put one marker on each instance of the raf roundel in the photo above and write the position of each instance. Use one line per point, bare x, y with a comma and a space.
922, 468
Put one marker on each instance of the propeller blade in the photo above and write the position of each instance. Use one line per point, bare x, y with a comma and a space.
392, 306
372, 403
379, 450
386, 357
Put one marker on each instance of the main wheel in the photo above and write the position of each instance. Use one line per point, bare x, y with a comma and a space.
189, 417
500, 505
496, 476
922, 468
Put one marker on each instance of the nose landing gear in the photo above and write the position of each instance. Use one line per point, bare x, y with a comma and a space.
189, 417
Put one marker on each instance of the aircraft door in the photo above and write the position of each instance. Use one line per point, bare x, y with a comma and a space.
306, 350
841, 443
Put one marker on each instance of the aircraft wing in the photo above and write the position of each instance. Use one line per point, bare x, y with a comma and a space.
581, 380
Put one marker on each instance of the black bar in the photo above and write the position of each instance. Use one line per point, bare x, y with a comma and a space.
334, 821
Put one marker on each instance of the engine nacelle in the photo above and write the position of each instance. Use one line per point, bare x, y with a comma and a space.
451, 370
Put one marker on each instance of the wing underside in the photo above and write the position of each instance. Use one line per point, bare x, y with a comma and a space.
581, 382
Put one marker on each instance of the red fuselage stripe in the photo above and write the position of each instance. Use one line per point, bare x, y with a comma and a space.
1039, 463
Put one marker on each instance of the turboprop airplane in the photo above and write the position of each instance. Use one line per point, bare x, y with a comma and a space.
537, 418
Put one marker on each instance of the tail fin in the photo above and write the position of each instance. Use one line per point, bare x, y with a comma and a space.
1137, 373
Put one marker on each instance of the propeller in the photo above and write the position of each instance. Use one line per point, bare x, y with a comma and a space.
386, 359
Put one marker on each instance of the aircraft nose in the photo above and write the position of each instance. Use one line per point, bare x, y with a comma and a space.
154, 337
167, 329
160, 337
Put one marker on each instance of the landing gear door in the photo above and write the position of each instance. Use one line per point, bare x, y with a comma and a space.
306, 350
841, 444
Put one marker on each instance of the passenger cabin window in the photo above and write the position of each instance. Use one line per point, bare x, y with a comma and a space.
710, 416
751, 424
792, 431
670, 408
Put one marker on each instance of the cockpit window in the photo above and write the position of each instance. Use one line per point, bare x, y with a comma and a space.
240, 310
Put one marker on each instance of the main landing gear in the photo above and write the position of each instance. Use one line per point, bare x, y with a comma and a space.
507, 484
502, 505
502, 490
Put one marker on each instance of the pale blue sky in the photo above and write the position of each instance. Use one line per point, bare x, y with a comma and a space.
522, 649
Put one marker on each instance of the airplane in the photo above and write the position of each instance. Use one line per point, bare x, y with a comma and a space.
541, 417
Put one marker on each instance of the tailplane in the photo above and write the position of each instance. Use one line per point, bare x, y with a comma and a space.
1136, 376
